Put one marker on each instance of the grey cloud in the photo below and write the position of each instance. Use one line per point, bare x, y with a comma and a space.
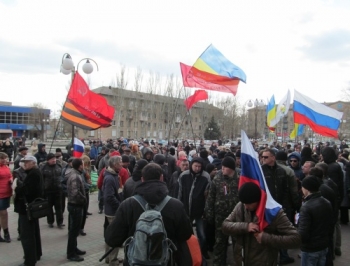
330, 46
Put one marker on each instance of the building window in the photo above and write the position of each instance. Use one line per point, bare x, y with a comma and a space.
113, 122
154, 115
195, 119
154, 125
114, 133
129, 123
121, 123
92, 133
121, 133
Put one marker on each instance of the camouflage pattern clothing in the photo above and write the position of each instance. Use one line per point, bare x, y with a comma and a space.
222, 199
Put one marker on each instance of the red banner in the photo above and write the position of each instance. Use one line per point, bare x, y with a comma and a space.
198, 95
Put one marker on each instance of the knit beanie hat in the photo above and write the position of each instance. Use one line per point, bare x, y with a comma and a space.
229, 162
238, 154
249, 193
311, 183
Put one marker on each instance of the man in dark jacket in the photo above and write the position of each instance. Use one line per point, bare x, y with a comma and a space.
173, 183
314, 224
193, 189
278, 183
147, 154
51, 172
76, 202
294, 162
41, 154
111, 184
134, 180
335, 173
28, 190
153, 190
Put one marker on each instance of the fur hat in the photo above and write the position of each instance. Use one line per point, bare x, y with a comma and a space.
249, 193
229, 162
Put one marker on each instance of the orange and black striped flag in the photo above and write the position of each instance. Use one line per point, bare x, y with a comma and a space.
84, 108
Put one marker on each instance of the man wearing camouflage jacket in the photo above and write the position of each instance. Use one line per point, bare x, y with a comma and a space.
222, 198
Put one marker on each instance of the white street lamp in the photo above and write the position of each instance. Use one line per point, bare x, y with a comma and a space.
67, 67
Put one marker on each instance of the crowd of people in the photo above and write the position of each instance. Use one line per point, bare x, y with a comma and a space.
311, 185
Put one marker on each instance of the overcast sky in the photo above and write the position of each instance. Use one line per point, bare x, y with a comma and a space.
281, 45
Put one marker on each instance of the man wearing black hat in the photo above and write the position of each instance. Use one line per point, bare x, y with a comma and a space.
22, 152
222, 198
258, 246
315, 223
193, 189
51, 172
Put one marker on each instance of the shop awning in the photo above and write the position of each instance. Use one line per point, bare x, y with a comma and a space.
6, 131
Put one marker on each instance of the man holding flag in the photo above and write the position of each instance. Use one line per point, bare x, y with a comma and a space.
257, 221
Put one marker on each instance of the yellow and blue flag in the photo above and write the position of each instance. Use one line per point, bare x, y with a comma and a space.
271, 113
297, 131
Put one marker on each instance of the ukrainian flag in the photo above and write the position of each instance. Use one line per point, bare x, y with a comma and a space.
297, 131
271, 112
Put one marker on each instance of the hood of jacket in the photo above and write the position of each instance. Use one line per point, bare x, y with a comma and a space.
329, 155
40, 145
295, 155
147, 151
197, 160
153, 191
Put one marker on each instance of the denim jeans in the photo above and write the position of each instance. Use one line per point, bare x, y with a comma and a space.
75, 219
317, 258
201, 234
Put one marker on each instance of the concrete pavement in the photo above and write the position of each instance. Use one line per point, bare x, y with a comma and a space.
54, 242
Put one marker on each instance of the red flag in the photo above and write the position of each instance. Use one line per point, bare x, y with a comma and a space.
194, 78
91, 105
198, 95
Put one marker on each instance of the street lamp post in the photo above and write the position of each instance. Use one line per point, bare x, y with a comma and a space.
255, 105
210, 130
67, 67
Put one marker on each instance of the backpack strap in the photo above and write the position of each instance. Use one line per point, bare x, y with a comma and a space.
144, 203
141, 201
161, 205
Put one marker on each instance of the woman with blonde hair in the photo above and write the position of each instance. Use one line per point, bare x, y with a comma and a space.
34, 147
136, 152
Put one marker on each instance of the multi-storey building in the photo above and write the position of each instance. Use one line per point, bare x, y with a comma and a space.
16, 121
151, 116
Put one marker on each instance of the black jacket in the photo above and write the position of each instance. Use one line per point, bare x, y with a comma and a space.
52, 177
192, 189
31, 188
40, 155
131, 183
315, 223
176, 222
277, 182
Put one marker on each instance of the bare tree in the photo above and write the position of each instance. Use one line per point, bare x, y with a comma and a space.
138, 79
40, 119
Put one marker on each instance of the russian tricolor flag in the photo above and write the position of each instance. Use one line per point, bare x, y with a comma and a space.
322, 119
251, 172
78, 148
